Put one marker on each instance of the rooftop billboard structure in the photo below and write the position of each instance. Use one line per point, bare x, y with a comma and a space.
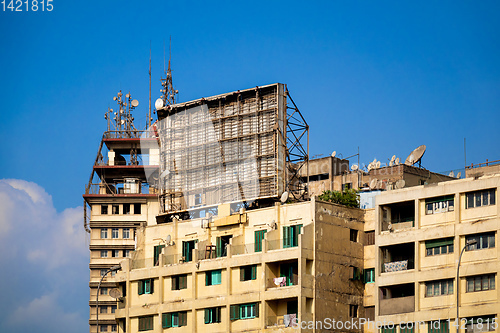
230, 148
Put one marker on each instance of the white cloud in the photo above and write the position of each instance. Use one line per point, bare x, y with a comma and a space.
44, 276
45, 315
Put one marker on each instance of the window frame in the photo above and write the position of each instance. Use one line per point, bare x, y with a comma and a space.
438, 205
439, 288
146, 323
480, 198
179, 282
483, 282
104, 209
485, 240
126, 233
115, 233
145, 287
248, 273
104, 233
213, 278
213, 315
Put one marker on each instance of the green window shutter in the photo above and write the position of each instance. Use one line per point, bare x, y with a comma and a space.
438, 242
216, 278
256, 310
152, 285
164, 320
217, 314
242, 273
234, 312
183, 281
254, 272
299, 229
208, 278
218, 247
169, 320
207, 316
140, 287
259, 237
286, 237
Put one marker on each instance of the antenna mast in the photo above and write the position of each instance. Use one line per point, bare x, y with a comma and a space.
149, 113
169, 93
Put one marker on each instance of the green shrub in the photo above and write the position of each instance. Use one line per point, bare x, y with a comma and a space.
349, 198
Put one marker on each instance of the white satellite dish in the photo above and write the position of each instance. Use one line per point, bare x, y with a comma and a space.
451, 174
165, 173
169, 238
334, 153
159, 103
396, 161
378, 164
354, 167
134, 103
115, 293
459, 174
373, 184
400, 184
284, 197
393, 158
391, 163
416, 155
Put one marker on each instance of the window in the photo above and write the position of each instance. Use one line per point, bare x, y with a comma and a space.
187, 250
104, 209
440, 204
346, 186
146, 323
113, 328
483, 241
248, 273
174, 319
221, 245
179, 282
104, 233
406, 329
369, 275
480, 198
386, 329
244, 311
126, 233
353, 311
438, 326
126, 253
114, 233
137, 208
115, 209
370, 238
104, 291
126, 208
103, 271
291, 235
115, 253
259, 238
291, 272
480, 283
156, 254
213, 277
197, 199
438, 288
353, 235
481, 324
213, 315
438, 246
104, 253
104, 328
103, 309
145, 286
113, 308
354, 273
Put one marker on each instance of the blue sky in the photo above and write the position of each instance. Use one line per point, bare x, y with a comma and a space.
384, 76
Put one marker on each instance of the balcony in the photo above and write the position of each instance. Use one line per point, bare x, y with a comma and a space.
398, 216
283, 313
397, 299
283, 274
400, 257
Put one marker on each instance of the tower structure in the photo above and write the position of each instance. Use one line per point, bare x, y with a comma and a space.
118, 199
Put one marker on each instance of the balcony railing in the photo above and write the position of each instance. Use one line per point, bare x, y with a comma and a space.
129, 134
243, 249
288, 320
118, 188
397, 305
284, 281
396, 266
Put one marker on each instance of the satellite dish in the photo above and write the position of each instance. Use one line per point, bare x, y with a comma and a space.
378, 164
391, 163
459, 174
169, 238
354, 167
393, 158
396, 161
115, 293
373, 184
334, 153
127, 95
284, 197
159, 103
397, 185
165, 173
416, 155
451, 174
134, 103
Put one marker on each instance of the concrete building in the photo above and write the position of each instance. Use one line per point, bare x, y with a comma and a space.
118, 199
420, 233
249, 271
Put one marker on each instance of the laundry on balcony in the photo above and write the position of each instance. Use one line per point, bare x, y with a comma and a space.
396, 266
280, 281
